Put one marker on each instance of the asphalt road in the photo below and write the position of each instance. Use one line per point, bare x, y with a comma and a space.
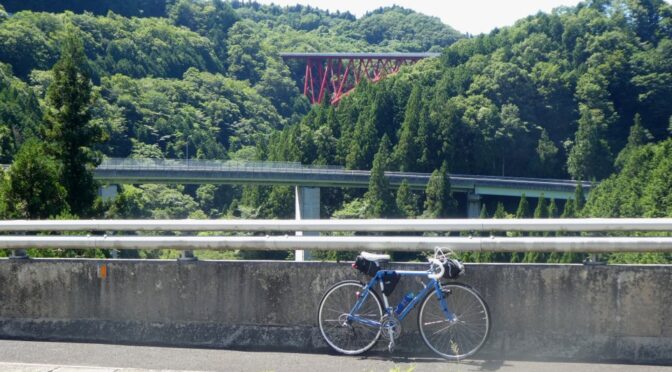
29, 356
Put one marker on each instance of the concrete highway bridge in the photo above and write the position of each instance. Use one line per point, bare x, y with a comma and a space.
308, 179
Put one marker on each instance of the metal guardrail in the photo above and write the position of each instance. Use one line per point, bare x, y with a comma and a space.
587, 244
371, 225
351, 243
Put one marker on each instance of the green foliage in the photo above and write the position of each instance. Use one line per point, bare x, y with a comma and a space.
68, 129
484, 212
590, 156
407, 201
641, 188
355, 209
3, 13
439, 202
32, 188
542, 210
500, 212
20, 113
556, 95
523, 210
552, 209
551, 96
132, 46
153, 202
402, 30
208, 112
407, 151
379, 196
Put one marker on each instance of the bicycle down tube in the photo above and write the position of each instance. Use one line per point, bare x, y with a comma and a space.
433, 284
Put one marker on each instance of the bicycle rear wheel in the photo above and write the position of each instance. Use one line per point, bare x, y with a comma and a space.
349, 337
463, 337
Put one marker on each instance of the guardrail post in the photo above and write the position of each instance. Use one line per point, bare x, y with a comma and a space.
19, 254
187, 256
307, 206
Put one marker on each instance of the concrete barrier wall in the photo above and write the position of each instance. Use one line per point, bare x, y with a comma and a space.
559, 312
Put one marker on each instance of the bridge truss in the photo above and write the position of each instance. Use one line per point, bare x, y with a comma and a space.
335, 75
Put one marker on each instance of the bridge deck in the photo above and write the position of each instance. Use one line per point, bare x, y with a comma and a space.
294, 174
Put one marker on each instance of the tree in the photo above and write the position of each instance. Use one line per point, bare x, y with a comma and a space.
568, 211
407, 202
500, 212
590, 157
3, 13
541, 211
552, 209
579, 198
361, 151
523, 210
68, 128
246, 58
484, 212
379, 197
439, 202
638, 136
483, 256
32, 189
547, 152
406, 152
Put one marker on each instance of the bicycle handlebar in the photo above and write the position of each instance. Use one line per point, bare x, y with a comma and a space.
442, 270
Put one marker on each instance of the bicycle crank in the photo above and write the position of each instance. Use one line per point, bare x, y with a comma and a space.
391, 327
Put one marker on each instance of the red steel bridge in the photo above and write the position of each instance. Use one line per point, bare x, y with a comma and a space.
337, 74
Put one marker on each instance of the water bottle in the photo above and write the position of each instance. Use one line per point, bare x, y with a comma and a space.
404, 302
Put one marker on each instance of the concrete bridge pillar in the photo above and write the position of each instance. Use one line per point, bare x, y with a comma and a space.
307, 206
108, 192
473, 205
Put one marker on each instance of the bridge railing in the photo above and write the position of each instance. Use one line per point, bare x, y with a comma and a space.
120, 164
587, 244
149, 163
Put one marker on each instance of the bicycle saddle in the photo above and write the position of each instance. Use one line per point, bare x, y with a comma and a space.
376, 257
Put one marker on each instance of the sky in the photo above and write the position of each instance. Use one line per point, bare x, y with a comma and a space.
472, 16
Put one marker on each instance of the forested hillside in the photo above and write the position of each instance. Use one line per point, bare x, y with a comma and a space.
571, 94
236, 43
553, 96
159, 79
582, 93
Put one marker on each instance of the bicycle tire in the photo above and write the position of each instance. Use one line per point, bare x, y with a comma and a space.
351, 338
459, 339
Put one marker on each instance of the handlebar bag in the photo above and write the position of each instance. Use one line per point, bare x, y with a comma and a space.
453, 268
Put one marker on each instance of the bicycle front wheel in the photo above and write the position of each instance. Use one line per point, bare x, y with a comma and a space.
349, 336
459, 338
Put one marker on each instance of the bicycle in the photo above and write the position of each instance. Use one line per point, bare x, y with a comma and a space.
453, 319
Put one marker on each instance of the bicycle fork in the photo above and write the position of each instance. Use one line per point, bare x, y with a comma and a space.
443, 302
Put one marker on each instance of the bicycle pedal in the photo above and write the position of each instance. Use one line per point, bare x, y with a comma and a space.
391, 346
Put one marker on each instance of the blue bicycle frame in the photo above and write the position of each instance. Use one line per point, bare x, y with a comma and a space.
378, 278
